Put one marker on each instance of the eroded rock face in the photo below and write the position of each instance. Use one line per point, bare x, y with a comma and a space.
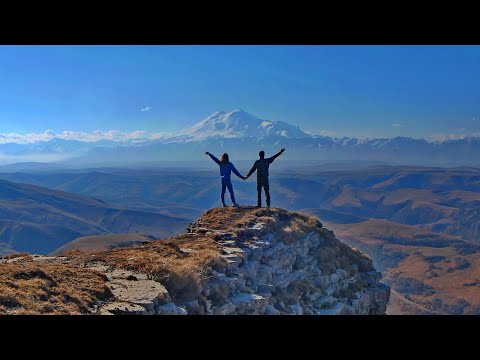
272, 262
135, 294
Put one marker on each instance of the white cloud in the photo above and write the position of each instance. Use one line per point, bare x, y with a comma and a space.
95, 135
323, 132
146, 108
454, 136
396, 125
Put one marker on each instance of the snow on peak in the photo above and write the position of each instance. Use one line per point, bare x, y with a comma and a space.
240, 124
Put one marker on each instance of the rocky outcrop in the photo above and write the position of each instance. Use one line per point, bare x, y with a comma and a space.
270, 262
244, 261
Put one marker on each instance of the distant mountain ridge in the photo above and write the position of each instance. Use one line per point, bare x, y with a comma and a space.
238, 132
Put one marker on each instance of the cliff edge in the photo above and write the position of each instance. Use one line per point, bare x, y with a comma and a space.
230, 261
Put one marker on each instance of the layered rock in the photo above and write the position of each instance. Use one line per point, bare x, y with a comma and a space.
230, 262
269, 262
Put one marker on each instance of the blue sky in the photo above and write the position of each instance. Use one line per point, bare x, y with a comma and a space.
372, 91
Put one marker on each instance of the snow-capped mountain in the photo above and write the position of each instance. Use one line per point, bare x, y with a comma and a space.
239, 124
242, 135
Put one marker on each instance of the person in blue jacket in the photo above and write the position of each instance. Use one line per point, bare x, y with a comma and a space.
226, 168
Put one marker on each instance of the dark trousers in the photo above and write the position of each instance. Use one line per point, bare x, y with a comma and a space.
266, 187
225, 185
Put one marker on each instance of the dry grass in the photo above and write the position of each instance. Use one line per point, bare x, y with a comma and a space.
450, 282
398, 305
454, 277
49, 288
17, 255
180, 263
286, 226
295, 229
183, 262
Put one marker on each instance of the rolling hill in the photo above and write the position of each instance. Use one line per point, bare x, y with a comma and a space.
440, 273
36, 219
420, 225
435, 199
101, 243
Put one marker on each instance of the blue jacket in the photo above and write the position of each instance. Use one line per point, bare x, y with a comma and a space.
226, 169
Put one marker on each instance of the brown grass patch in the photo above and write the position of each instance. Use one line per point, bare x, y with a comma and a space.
180, 264
294, 229
454, 277
49, 288
183, 262
17, 255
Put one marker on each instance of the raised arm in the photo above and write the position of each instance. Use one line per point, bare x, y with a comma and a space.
252, 170
276, 155
235, 171
213, 158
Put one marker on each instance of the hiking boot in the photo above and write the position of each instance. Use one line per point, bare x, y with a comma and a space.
258, 206
224, 205
235, 205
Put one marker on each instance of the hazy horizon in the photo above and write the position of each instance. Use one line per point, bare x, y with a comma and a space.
126, 92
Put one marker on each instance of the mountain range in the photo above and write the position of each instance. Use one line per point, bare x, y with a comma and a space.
242, 135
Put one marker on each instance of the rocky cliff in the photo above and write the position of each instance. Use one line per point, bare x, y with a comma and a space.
230, 261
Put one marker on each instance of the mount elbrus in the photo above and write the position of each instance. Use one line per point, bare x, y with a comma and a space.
238, 130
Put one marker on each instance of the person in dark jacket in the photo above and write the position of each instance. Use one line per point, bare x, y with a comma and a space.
226, 168
261, 166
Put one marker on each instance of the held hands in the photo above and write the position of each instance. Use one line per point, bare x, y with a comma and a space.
207, 153
283, 149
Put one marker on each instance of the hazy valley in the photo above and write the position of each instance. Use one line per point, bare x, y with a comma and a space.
410, 220
38, 220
